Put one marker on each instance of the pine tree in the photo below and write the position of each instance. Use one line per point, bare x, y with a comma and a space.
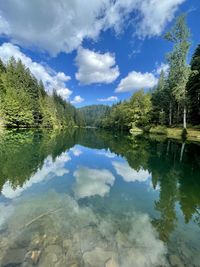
193, 88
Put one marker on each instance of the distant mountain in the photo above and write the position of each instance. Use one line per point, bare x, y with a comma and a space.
94, 113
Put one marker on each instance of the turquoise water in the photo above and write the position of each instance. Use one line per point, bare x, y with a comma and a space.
93, 198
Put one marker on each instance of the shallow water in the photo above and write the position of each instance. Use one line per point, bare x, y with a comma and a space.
92, 198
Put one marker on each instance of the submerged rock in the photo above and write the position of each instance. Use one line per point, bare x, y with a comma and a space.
37, 242
13, 257
98, 257
51, 256
66, 244
35, 255
122, 240
112, 263
175, 261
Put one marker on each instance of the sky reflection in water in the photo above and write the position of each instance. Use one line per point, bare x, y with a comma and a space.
112, 200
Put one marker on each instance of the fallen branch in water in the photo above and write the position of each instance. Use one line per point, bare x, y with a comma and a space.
41, 216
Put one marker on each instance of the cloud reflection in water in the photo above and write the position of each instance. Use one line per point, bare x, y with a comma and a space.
129, 174
91, 182
133, 245
49, 170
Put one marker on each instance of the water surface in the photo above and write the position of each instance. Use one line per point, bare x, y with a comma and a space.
92, 198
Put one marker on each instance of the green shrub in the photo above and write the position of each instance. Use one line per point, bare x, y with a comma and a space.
184, 134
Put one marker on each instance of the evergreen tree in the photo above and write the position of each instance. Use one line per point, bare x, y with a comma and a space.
24, 102
193, 88
160, 100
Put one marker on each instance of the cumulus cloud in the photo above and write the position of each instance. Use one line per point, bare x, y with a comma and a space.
155, 15
50, 78
94, 67
77, 99
76, 151
49, 170
162, 67
129, 174
68, 23
91, 182
108, 99
135, 81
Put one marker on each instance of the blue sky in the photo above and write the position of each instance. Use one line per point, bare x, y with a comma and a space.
93, 52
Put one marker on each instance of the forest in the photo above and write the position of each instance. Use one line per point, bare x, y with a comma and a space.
94, 114
24, 103
174, 102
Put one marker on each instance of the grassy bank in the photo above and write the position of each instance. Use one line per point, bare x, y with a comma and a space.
174, 133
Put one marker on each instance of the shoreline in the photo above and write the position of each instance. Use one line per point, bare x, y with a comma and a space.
171, 133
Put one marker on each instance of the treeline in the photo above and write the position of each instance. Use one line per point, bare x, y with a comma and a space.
25, 103
94, 114
175, 100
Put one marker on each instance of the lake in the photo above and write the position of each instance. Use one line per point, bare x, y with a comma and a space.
98, 199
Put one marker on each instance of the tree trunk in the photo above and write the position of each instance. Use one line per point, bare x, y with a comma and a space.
168, 147
184, 118
177, 119
182, 151
170, 114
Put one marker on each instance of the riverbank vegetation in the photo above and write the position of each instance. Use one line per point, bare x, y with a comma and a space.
172, 108
174, 103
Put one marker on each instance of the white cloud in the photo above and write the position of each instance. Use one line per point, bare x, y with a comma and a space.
68, 23
155, 16
135, 81
108, 99
76, 151
49, 170
77, 99
50, 78
94, 67
129, 174
91, 182
106, 154
64, 92
162, 67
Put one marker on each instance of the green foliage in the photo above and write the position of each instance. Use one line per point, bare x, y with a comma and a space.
161, 99
24, 102
172, 99
184, 134
93, 114
193, 88
124, 115
179, 70
162, 117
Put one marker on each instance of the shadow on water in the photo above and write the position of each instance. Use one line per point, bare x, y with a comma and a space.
70, 229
